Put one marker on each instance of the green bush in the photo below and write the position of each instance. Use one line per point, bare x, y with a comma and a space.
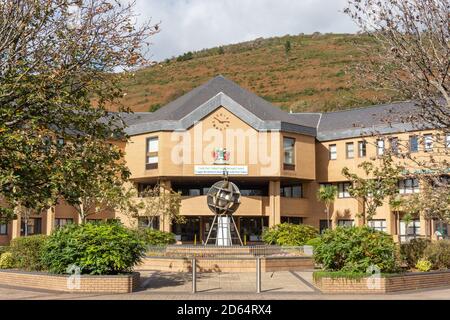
3, 249
438, 253
6, 261
355, 249
287, 234
424, 265
412, 251
96, 248
314, 242
27, 251
155, 237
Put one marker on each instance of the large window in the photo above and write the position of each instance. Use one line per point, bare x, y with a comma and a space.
428, 142
289, 153
378, 224
413, 144
346, 222
293, 220
3, 228
152, 153
408, 186
409, 231
362, 149
394, 145
60, 222
323, 225
148, 222
292, 191
343, 190
380, 147
333, 151
252, 227
349, 150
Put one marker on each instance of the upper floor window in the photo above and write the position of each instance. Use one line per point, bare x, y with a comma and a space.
333, 151
407, 186
292, 191
349, 150
378, 224
152, 153
428, 142
346, 222
447, 140
413, 144
343, 190
289, 153
380, 147
362, 149
394, 145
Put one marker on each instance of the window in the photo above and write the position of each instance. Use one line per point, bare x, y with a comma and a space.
152, 153
60, 222
333, 152
323, 225
33, 226
362, 149
346, 222
343, 190
380, 147
410, 231
289, 153
3, 228
293, 220
349, 150
408, 186
378, 224
413, 144
147, 222
447, 140
292, 191
394, 145
428, 142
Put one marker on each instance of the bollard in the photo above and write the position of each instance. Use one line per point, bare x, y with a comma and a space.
194, 275
245, 239
258, 275
195, 239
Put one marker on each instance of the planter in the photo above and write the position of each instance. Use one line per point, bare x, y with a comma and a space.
385, 283
66, 283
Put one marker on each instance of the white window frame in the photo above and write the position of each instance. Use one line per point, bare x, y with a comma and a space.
289, 150
350, 152
343, 190
409, 186
332, 151
362, 146
152, 150
378, 224
380, 147
416, 139
428, 142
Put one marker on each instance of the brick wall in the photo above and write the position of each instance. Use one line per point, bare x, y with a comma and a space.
409, 281
88, 283
226, 264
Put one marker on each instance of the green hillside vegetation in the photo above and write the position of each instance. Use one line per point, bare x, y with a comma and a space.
312, 73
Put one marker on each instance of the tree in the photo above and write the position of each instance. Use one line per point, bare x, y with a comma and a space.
287, 48
375, 185
58, 76
160, 201
327, 194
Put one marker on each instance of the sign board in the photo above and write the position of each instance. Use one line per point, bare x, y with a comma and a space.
218, 170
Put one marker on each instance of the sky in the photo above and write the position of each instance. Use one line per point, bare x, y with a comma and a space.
190, 25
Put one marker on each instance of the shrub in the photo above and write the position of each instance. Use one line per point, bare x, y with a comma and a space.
412, 251
355, 249
96, 248
314, 242
3, 249
438, 253
287, 234
6, 261
155, 237
424, 265
26, 252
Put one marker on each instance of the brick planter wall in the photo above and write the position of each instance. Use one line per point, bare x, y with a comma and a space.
404, 282
226, 264
88, 283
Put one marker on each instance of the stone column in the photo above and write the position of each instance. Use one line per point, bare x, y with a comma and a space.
274, 203
165, 223
15, 232
50, 220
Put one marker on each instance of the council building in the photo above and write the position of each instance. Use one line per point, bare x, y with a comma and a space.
277, 159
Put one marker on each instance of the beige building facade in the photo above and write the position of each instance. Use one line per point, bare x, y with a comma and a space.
277, 159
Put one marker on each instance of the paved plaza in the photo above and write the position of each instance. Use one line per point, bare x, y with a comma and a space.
242, 286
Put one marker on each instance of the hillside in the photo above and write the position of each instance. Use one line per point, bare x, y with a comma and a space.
317, 75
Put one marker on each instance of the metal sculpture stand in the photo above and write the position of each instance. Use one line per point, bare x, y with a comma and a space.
223, 227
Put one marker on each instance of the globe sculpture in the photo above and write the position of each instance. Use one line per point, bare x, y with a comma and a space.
223, 199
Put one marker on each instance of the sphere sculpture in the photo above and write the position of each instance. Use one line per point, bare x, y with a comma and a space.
223, 198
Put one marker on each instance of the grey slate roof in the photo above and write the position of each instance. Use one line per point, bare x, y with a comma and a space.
183, 112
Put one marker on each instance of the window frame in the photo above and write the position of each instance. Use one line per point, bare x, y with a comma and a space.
289, 165
416, 139
362, 147
5, 232
382, 228
330, 153
347, 144
403, 186
345, 194
425, 142
382, 147
151, 154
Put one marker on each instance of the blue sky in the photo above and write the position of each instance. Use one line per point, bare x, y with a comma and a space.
189, 25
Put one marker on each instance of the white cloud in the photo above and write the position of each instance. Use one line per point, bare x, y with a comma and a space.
188, 25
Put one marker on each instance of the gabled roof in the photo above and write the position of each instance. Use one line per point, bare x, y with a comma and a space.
185, 111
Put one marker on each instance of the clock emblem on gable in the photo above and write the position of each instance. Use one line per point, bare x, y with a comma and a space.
221, 121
